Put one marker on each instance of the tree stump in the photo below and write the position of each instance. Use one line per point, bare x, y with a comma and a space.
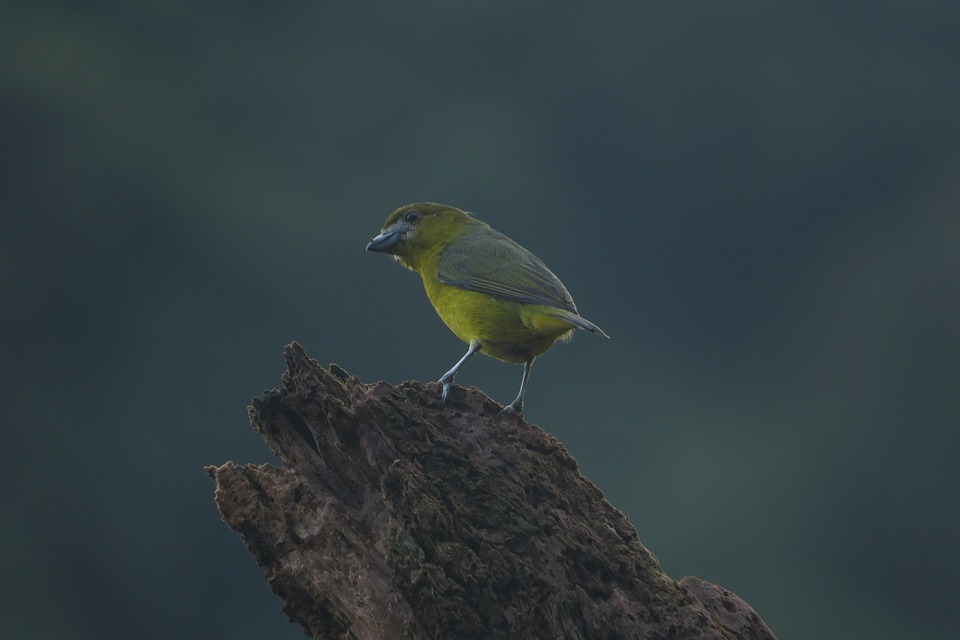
396, 517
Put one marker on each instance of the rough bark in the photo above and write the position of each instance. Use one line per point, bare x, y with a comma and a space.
395, 517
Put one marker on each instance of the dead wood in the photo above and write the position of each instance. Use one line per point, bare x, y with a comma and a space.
395, 517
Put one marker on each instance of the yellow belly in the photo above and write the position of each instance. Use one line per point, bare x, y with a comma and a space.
509, 331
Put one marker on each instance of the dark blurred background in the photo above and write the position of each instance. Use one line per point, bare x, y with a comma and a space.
759, 202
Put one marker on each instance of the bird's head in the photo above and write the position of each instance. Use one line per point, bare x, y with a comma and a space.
415, 231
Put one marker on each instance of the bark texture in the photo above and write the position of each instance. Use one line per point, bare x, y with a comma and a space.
394, 517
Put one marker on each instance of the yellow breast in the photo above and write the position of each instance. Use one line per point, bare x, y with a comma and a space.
508, 331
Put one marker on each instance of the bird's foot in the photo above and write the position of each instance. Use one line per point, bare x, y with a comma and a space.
446, 381
515, 407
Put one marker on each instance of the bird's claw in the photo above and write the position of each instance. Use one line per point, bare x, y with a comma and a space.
445, 391
515, 408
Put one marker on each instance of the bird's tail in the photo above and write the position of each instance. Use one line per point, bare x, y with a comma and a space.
579, 321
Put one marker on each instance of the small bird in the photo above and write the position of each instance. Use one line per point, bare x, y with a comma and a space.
492, 293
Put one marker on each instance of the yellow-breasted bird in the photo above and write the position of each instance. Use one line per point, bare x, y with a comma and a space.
493, 294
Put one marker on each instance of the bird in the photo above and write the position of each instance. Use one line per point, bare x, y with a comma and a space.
491, 293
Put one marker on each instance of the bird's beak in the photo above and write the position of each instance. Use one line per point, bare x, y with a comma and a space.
388, 239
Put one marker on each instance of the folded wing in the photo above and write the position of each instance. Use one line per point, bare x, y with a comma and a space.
486, 261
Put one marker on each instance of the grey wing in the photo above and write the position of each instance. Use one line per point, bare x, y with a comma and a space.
493, 264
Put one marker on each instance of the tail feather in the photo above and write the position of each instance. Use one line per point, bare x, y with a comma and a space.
579, 321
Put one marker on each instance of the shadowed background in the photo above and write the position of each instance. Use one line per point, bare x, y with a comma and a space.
759, 203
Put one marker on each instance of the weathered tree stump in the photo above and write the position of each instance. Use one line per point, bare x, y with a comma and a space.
396, 517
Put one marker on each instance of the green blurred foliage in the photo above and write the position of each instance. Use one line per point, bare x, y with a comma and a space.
759, 202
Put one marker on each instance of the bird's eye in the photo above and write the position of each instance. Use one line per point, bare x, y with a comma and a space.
412, 216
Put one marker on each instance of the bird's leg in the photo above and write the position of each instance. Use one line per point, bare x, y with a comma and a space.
517, 405
447, 379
